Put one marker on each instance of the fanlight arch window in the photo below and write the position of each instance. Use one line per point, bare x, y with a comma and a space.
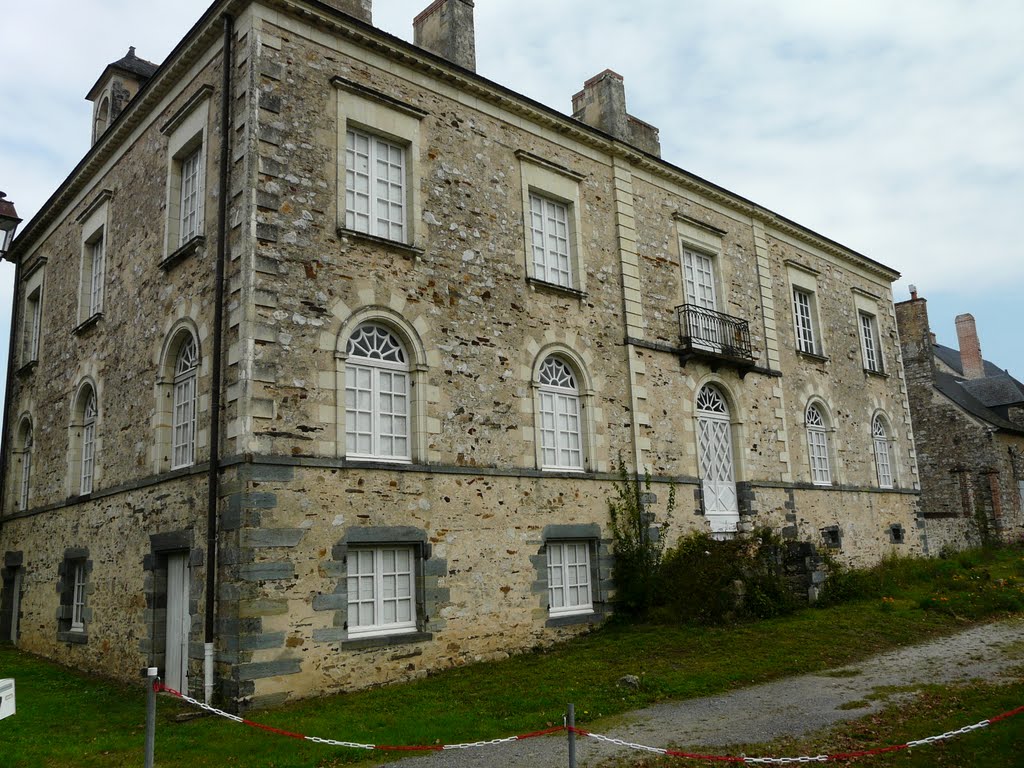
377, 396
817, 445
25, 473
710, 401
87, 412
183, 414
561, 431
883, 456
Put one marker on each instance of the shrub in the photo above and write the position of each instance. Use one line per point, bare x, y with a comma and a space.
706, 581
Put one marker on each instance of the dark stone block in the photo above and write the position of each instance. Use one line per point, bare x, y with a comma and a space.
330, 602
580, 531
398, 534
266, 571
272, 537
257, 670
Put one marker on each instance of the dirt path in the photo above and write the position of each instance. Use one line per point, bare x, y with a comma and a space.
790, 707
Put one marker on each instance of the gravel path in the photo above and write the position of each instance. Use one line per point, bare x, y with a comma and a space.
789, 707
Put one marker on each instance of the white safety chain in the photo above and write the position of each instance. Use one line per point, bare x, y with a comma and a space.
627, 744
949, 734
211, 710
475, 744
334, 743
786, 760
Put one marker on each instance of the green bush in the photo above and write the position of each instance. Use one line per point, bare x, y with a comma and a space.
706, 581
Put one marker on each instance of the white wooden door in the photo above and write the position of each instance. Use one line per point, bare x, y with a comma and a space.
717, 472
699, 286
178, 623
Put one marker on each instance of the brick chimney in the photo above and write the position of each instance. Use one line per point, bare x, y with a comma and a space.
970, 347
445, 27
602, 105
361, 9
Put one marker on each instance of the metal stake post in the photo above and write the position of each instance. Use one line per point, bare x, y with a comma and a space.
570, 726
151, 679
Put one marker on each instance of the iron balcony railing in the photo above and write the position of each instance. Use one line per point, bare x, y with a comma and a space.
709, 333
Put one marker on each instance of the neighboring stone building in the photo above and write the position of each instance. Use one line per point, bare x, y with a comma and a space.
324, 360
969, 430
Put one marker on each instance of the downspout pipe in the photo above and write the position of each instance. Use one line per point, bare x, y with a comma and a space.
7, 441
213, 481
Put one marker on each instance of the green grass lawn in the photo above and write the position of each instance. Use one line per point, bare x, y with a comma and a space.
65, 718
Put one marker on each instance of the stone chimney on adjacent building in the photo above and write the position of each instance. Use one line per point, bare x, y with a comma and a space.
602, 105
970, 347
361, 9
445, 27
118, 84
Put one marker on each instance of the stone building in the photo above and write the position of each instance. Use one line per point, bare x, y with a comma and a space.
969, 431
327, 351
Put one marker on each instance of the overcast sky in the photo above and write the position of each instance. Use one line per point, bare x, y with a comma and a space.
892, 126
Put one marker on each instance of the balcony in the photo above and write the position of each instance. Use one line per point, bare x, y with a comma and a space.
717, 338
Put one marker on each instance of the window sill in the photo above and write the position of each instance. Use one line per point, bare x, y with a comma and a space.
545, 286
868, 372
409, 251
87, 324
27, 368
573, 619
812, 356
186, 250
386, 641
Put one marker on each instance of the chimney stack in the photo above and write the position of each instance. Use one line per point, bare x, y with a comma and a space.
361, 9
970, 347
913, 293
602, 105
445, 27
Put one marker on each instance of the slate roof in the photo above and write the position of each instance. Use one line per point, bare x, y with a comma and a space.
983, 398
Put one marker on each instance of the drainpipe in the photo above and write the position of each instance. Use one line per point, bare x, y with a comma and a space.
5, 451
213, 481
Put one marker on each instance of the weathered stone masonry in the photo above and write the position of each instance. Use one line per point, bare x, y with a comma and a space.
471, 501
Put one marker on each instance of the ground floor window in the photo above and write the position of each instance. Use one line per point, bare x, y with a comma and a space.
569, 580
381, 590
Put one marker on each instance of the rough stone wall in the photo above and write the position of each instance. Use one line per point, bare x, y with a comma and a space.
969, 472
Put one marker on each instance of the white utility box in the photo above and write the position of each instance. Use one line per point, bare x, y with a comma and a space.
6, 698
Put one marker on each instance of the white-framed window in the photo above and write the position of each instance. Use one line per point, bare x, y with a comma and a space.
569, 578
183, 415
25, 456
33, 324
375, 185
561, 429
377, 396
381, 585
869, 342
78, 596
803, 319
191, 202
883, 457
89, 415
186, 134
549, 237
95, 247
95, 270
817, 446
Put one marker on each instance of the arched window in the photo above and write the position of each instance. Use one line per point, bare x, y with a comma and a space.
377, 418
561, 433
883, 459
817, 445
183, 415
716, 464
84, 437
25, 474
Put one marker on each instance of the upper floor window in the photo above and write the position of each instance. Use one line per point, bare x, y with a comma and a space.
869, 342
191, 203
817, 445
569, 578
94, 269
183, 416
88, 444
803, 317
95, 245
561, 432
377, 396
883, 458
83, 445
32, 318
549, 232
375, 190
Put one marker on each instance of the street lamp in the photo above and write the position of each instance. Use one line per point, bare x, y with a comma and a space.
9, 222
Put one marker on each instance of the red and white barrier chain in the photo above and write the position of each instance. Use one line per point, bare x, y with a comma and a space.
742, 759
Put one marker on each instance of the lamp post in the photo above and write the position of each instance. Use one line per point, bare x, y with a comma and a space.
9, 222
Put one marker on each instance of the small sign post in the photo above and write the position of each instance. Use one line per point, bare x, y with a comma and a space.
7, 698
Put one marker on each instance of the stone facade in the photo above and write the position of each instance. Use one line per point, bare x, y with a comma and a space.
969, 435
474, 497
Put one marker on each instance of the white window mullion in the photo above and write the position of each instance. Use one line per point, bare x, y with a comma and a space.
78, 597
96, 261
191, 196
